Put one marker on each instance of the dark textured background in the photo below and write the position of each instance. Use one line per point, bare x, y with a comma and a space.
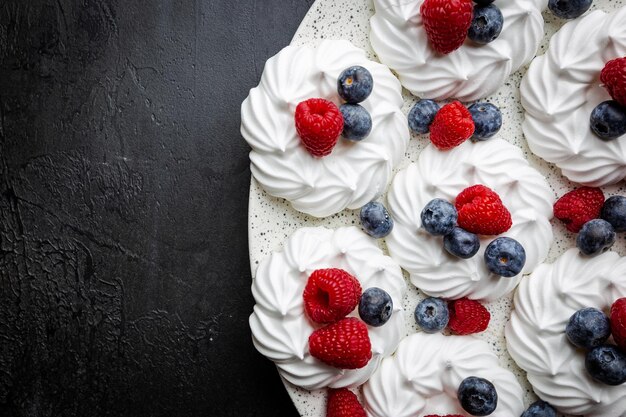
124, 277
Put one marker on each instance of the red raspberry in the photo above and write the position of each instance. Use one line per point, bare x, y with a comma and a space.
345, 344
467, 316
319, 124
343, 403
578, 207
453, 125
330, 295
446, 23
481, 211
613, 76
618, 322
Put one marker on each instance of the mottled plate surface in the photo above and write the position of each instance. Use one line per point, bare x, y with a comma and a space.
272, 220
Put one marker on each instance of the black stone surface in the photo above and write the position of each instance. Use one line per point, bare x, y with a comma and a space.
124, 276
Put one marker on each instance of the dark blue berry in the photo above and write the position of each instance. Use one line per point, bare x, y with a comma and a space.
432, 315
606, 364
439, 217
487, 120
357, 122
375, 307
569, 9
596, 236
355, 84
461, 243
540, 409
588, 328
505, 257
422, 115
614, 212
483, 2
478, 396
376, 220
608, 120
486, 24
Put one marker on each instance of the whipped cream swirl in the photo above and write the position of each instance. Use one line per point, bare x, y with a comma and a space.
355, 173
280, 328
469, 73
561, 89
536, 336
496, 164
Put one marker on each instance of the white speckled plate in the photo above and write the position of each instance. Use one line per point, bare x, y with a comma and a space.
272, 220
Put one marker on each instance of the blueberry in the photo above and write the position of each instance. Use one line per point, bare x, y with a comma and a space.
569, 9
596, 236
357, 122
461, 243
478, 396
355, 84
588, 328
540, 409
439, 217
375, 307
608, 120
376, 220
483, 2
487, 120
505, 257
614, 212
486, 24
432, 315
422, 115
606, 364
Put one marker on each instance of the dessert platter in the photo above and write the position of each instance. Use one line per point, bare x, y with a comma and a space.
437, 210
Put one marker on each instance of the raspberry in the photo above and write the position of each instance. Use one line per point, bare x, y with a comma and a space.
319, 124
618, 323
613, 76
446, 23
345, 344
343, 403
481, 211
467, 316
452, 126
330, 295
578, 207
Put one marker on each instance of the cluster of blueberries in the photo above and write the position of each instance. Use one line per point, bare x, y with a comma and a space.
598, 235
504, 256
608, 120
589, 329
355, 84
375, 307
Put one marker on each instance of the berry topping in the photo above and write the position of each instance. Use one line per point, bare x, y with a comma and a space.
461, 243
468, 316
606, 364
613, 76
452, 126
481, 211
608, 120
486, 24
487, 120
446, 23
618, 322
432, 315
478, 396
483, 2
319, 124
355, 84
343, 403
345, 344
505, 257
539, 409
579, 206
422, 115
595, 237
569, 9
439, 217
357, 122
375, 307
614, 212
588, 328
330, 295
376, 220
